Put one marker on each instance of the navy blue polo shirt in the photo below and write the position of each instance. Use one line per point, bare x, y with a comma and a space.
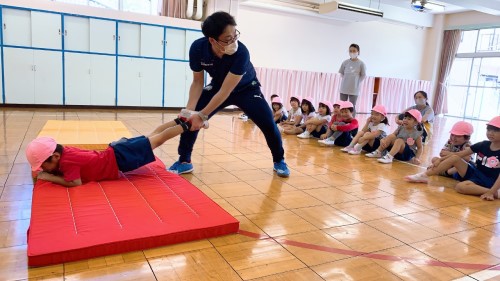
201, 57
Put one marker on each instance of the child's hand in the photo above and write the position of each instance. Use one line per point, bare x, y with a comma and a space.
43, 176
334, 127
322, 137
415, 161
488, 196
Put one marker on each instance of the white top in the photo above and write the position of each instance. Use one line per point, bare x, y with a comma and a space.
324, 117
307, 117
380, 127
292, 113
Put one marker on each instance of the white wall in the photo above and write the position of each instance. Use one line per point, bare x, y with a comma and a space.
279, 40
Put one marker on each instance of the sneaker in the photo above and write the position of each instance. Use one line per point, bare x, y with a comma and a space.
281, 169
347, 149
421, 177
181, 168
186, 114
329, 142
304, 135
374, 154
354, 151
387, 159
243, 116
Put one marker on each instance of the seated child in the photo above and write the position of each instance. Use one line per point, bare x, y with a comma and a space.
329, 137
344, 131
316, 126
70, 166
459, 140
426, 111
307, 113
279, 111
405, 143
480, 179
375, 129
294, 115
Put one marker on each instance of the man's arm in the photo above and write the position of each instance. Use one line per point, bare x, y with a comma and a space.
58, 180
195, 90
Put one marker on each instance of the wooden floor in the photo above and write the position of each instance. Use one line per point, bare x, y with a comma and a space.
338, 217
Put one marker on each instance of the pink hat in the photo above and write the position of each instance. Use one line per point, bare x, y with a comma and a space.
339, 102
39, 150
495, 122
276, 100
299, 98
380, 109
328, 104
416, 114
462, 128
346, 104
309, 99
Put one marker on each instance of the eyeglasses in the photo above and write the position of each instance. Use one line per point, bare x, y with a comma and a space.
236, 36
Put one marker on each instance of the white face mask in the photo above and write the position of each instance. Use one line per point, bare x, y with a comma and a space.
420, 101
353, 55
231, 48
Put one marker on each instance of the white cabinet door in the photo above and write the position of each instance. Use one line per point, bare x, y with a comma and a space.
16, 27
103, 81
76, 34
176, 89
77, 79
129, 85
102, 36
176, 44
152, 41
48, 77
19, 76
151, 82
1, 85
191, 36
129, 38
46, 30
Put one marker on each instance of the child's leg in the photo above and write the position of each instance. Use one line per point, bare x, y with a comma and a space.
162, 128
162, 137
294, 131
470, 188
450, 162
356, 138
386, 142
397, 147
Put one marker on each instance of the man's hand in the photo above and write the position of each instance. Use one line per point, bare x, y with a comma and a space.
196, 122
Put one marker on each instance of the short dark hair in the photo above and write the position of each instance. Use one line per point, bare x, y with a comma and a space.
274, 95
351, 109
492, 128
295, 99
59, 149
354, 46
214, 25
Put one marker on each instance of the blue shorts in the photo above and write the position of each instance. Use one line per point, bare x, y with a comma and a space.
475, 176
317, 134
132, 153
406, 155
368, 148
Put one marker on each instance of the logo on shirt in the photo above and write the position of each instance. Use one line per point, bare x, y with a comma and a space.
489, 162
206, 64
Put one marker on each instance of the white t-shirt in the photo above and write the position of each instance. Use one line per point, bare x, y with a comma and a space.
380, 127
324, 117
307, 117
295, 113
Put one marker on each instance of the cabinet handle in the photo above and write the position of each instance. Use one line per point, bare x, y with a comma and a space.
65, 32
118, 37
35, 67
59, 31
114, 37
4, 26
32, 68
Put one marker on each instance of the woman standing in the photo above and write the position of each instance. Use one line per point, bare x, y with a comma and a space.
353, 71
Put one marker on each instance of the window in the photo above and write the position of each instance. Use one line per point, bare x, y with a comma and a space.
149, 7
473, 83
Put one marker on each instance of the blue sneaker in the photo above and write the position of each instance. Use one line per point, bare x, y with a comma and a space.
181, 168
282, 169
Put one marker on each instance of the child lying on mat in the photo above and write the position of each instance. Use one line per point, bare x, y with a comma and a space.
71, 166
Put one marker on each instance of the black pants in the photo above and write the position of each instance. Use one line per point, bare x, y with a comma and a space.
253, 103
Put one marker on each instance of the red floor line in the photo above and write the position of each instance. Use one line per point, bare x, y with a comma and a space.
430, 262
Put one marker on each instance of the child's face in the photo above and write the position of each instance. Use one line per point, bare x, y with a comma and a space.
345, 113
294, 104
409, 122
305, 107
493, 133
276, 106
322, 109
377, 117
457, 140
51, 166
336, 109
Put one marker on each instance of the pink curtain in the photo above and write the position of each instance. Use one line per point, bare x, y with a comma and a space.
172, 8
319, 85
397, 94
451, 41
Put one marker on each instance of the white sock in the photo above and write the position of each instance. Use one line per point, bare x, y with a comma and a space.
358, 147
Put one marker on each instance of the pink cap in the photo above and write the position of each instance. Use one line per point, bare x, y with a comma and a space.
495, 122
346, 104
339, 102
328, 104
462, 128
276, 100
39, 150
309, 99
299, 98
380, 109
416, 114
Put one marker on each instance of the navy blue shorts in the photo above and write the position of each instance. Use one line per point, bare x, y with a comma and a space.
317, 134
475, 176
132, 153
406, 155
368, 148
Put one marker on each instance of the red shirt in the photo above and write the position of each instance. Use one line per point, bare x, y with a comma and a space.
88, 165
335, 118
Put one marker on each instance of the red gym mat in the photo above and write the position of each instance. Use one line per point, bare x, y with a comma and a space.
145, 208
